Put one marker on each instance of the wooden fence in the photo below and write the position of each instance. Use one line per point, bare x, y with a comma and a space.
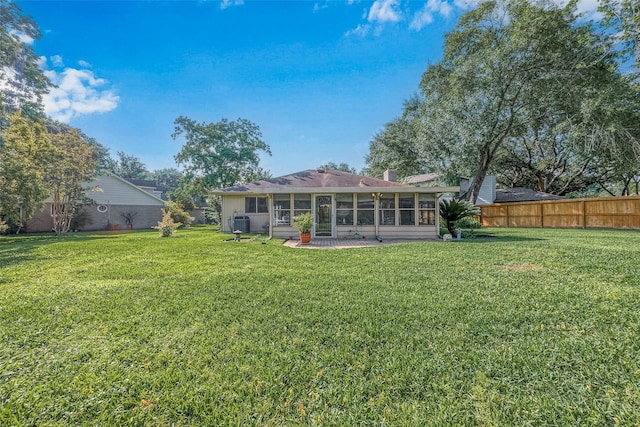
602, 212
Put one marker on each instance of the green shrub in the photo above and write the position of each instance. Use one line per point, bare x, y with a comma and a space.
178, 214
452, 211
303, 222
167, 226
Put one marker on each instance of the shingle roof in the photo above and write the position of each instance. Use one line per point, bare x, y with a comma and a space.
417, 179
518, 194
314, 178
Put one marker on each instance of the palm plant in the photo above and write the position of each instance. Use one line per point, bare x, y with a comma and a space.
456, 209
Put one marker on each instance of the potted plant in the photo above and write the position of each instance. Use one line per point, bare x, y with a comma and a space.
304, 223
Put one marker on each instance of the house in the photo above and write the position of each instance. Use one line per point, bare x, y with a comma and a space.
519, 194
341, 203
110, 200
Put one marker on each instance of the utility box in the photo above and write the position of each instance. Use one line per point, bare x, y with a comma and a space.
241, 222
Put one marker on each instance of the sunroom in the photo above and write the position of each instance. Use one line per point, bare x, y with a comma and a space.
342, 204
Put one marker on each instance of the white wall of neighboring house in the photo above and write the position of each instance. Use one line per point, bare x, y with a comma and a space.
487, 193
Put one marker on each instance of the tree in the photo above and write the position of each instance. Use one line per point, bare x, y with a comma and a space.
71, 164
22, 83
102, 159
26, 152
128, 166
167, 180
343, 167
623, 16
519, 81
218, 155
396, 146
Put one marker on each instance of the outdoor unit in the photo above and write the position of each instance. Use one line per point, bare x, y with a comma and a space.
241, 222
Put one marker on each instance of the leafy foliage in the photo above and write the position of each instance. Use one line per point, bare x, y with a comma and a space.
129, 166
454, 210
178, 214
217, 155
303, 222
22, 82
167, 226
71, 163
24, 158
343, 167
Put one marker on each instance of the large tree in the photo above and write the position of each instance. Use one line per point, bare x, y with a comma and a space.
129, 166
217, 155
22, 82
517, 78
26, 153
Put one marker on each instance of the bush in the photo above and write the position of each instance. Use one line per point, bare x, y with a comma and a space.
455, 210
167, 226
178, 214
3, 227
467, 226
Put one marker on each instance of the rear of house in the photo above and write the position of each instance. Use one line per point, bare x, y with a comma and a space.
342, 204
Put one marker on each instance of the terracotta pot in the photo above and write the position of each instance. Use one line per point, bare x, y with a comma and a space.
305, 238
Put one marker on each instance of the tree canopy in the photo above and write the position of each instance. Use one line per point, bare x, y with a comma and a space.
22, 82
218, 155
526, 91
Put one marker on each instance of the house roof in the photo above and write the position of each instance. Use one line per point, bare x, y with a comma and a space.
322, 180
519, 194
418, 179
114, 190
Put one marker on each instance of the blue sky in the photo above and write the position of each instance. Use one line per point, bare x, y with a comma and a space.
318, 77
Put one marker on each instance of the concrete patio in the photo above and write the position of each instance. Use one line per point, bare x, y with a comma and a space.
348, 243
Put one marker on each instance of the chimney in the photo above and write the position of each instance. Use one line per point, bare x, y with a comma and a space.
390, 175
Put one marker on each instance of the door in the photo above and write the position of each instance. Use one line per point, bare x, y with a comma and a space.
324, 216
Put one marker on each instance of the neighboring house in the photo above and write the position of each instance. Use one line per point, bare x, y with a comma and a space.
422, 180
518, 194
148, 185
487, 193
341, 203
111, 199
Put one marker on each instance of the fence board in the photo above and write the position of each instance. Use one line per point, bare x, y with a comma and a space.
602, 212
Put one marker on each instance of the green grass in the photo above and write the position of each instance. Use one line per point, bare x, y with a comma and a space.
533, 327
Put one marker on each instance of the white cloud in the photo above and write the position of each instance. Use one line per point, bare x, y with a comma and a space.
56, 61
390, 11
384, 11
361, 30
22, 37
84, 64
78, 92
425, 16
228, 3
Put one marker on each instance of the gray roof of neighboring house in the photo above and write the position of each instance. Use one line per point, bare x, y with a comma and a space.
519, 194
417, 179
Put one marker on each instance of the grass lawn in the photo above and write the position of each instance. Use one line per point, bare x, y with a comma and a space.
533, 327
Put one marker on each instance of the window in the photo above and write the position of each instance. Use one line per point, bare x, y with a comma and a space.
344, 209
388, 209
256, 205
301, 204
427, 209
281, 209
407, 209
365, 209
